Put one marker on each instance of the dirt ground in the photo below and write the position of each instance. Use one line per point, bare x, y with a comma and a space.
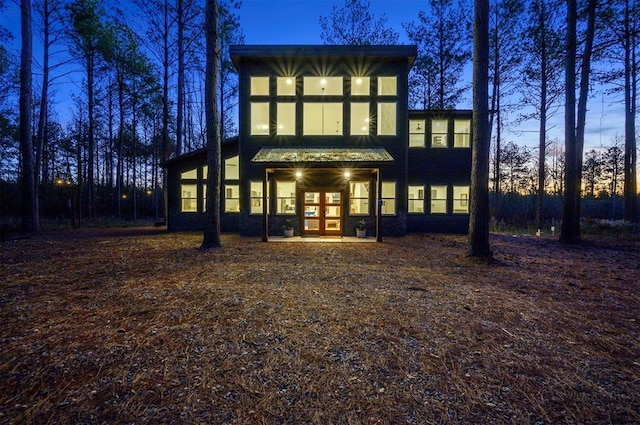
103, 326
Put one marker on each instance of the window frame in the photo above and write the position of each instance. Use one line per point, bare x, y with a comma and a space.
417, 131
385, 199
281, 109
280, 198
354, 120
259, 128
420, 188
381, 115
466, 136
255, 201
444, 134
462, 200
353, 198
256, 81
307, 113
444, 200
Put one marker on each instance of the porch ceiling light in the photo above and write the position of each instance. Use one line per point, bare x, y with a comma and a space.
347, 174
298, 174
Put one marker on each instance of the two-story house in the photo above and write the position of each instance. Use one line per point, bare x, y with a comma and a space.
326, 139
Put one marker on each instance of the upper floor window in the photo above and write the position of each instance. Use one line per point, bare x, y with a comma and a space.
286, 86
259, 86
322, 86
461, 133
259, 118
360, 118
189, 174
386, 118
387, 86
286, 119
439, 129
231, 168
322, 119
360, 86
416, 133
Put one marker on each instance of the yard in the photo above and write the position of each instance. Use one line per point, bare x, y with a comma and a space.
139, 326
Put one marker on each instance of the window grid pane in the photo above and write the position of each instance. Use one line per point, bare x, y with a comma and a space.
438, 199
256, 197
231, 198
189, 197
360, 118
322, 86
359, 198
386, 119
387, 86
231, 168
286, 197
388, 198
286, 86
461, 136
461, 199
259, 86
259, 118
439, 130
416, 199
360, 86
322, 119
286, 119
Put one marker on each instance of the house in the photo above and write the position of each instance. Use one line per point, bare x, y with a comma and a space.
326, 138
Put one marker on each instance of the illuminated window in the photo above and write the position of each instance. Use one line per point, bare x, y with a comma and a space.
204, 198
286, 197
416, 133
259, 86
286, 86
387, 86
189, 197
461, 133
461, 199
416, 199
231, 168
256, 198
438, 199
360, 86
388, 198
286, 119
322, 119
231, 198
359, 198
322, 86
259, 118
386, 118
189, 174
439, 129
359, 118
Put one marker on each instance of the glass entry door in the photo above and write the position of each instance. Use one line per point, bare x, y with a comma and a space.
322, 212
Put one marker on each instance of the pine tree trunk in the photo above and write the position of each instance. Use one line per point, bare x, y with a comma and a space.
478, 241
29, 205
212, 229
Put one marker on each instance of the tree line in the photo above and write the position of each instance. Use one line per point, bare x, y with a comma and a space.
142, 91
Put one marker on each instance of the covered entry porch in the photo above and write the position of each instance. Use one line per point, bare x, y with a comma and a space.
322, 193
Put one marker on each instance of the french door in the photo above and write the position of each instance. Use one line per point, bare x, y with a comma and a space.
322, 212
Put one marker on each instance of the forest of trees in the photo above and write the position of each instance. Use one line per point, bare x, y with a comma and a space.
140, 77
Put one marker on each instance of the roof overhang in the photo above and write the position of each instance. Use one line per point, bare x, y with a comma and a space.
322, 156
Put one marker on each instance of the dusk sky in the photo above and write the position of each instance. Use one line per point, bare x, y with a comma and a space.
297, 22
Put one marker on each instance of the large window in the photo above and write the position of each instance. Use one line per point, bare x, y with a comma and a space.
322, 119
286, 197
360, 118
231, 168
387, 86
416, 133
256, 197
360, 86
416, 199
286, 119
439, 129
322, 86
259, 118
461, 133
388, 198
286, 86
461, 199
438, 199
231, 198
359, 198
259, 86
386, 118
189, 197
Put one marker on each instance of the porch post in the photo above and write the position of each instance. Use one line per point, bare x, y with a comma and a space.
265, 208
378, 206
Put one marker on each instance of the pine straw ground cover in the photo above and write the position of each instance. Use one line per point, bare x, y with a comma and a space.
139, 326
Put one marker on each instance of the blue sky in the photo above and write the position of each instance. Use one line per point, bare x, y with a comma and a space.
297, 22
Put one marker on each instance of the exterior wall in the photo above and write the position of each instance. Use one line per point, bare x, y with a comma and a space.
341, 63
187, 221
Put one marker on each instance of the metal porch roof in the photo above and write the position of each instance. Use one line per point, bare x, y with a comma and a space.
321, 155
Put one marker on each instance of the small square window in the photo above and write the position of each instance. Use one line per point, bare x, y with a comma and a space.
387, 86
259, 86
360, 86
286, 86
439, 130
